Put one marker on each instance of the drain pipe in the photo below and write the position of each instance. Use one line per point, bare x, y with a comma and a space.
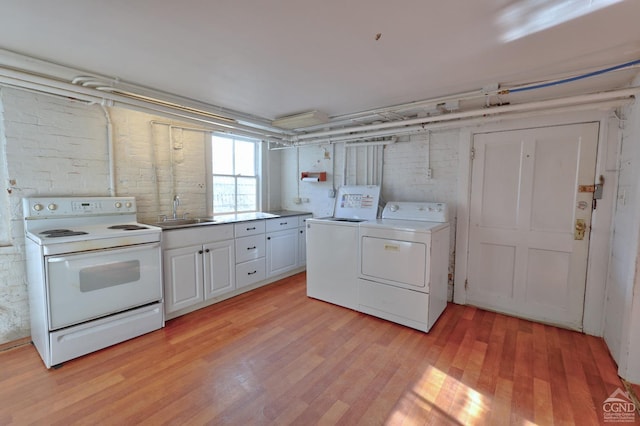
112, 167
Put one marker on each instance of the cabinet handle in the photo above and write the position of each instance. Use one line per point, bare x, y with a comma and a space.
251, 273
283, 223
200, 252
301, 231
251, 248
251, 229
268, 238
207, 251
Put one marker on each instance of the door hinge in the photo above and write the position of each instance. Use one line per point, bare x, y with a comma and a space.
473, 153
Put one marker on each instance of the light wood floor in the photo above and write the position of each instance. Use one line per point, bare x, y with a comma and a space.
274, 356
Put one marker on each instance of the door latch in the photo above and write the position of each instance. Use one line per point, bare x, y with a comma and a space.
581, 227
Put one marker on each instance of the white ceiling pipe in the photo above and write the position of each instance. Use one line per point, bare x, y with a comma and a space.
603, 105
22, 79
133, 99
579, 99
35, 87
346, 118
475, 94
21, 84
390, 141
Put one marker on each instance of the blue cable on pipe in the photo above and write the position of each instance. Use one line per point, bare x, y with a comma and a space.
579, 77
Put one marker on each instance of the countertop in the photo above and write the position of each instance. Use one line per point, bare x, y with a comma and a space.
171, 224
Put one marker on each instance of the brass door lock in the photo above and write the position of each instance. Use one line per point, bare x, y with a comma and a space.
581, 227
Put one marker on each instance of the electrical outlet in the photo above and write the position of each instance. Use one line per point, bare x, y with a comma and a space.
429, 174
297, 200
332, 193
305, 200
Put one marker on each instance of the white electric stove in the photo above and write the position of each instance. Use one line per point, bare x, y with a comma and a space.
94, 274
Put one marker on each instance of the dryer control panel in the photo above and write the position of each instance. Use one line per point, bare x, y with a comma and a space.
409, 210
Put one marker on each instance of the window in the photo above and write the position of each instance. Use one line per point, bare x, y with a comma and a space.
234, 177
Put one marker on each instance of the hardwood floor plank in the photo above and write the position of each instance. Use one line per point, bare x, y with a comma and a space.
275, 356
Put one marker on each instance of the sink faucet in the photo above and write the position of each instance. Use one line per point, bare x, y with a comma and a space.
176, 203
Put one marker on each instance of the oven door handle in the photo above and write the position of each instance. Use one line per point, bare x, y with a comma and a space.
101, 252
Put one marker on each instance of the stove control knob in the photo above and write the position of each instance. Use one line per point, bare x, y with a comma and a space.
52, 207
394, 207
118, 205
128, 204
38, 207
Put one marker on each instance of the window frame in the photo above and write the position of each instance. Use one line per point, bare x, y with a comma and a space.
210, 175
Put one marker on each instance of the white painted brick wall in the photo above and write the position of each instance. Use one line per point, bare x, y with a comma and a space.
52, 146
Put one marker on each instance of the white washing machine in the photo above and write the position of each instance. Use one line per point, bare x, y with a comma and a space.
403, 264
332, 246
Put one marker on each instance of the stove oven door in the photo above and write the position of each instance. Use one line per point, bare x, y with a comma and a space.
84, 286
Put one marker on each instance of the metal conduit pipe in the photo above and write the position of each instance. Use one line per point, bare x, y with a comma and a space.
201, 121
36, 87
571, 100
22, 79
466, 122
475, 94
112, 164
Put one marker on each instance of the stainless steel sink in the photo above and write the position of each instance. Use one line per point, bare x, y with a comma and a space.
174, 223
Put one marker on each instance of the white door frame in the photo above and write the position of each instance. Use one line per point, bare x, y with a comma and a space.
601, 222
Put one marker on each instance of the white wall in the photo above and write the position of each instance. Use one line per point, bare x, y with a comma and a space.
622, 309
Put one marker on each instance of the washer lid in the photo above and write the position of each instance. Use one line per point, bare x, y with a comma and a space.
357, 202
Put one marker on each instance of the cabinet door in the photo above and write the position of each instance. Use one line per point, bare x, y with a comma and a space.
219, 268
282, 251
182, 277
302, 246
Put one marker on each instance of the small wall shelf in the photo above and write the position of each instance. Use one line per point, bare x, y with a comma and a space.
313, 176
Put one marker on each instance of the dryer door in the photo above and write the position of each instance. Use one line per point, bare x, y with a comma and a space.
395, 262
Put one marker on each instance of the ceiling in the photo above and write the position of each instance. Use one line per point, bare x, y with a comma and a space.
272, 58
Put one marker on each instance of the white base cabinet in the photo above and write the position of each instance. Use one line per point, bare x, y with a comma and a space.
207, 264
200, 271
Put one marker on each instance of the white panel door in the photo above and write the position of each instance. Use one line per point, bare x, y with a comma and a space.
524, 259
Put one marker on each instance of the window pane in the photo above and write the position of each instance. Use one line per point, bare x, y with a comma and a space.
247, 194
245, 158
222, 153
224, 199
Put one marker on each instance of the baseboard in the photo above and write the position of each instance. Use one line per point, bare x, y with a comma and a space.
15, 343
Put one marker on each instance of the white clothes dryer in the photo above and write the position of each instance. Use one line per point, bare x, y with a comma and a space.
403, 264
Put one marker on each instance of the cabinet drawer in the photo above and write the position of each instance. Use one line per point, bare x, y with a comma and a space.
280, 223
302, 219
250, 272
249, 248
243, 229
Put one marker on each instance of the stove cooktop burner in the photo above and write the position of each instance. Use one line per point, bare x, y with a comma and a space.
54, 233
131, 227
